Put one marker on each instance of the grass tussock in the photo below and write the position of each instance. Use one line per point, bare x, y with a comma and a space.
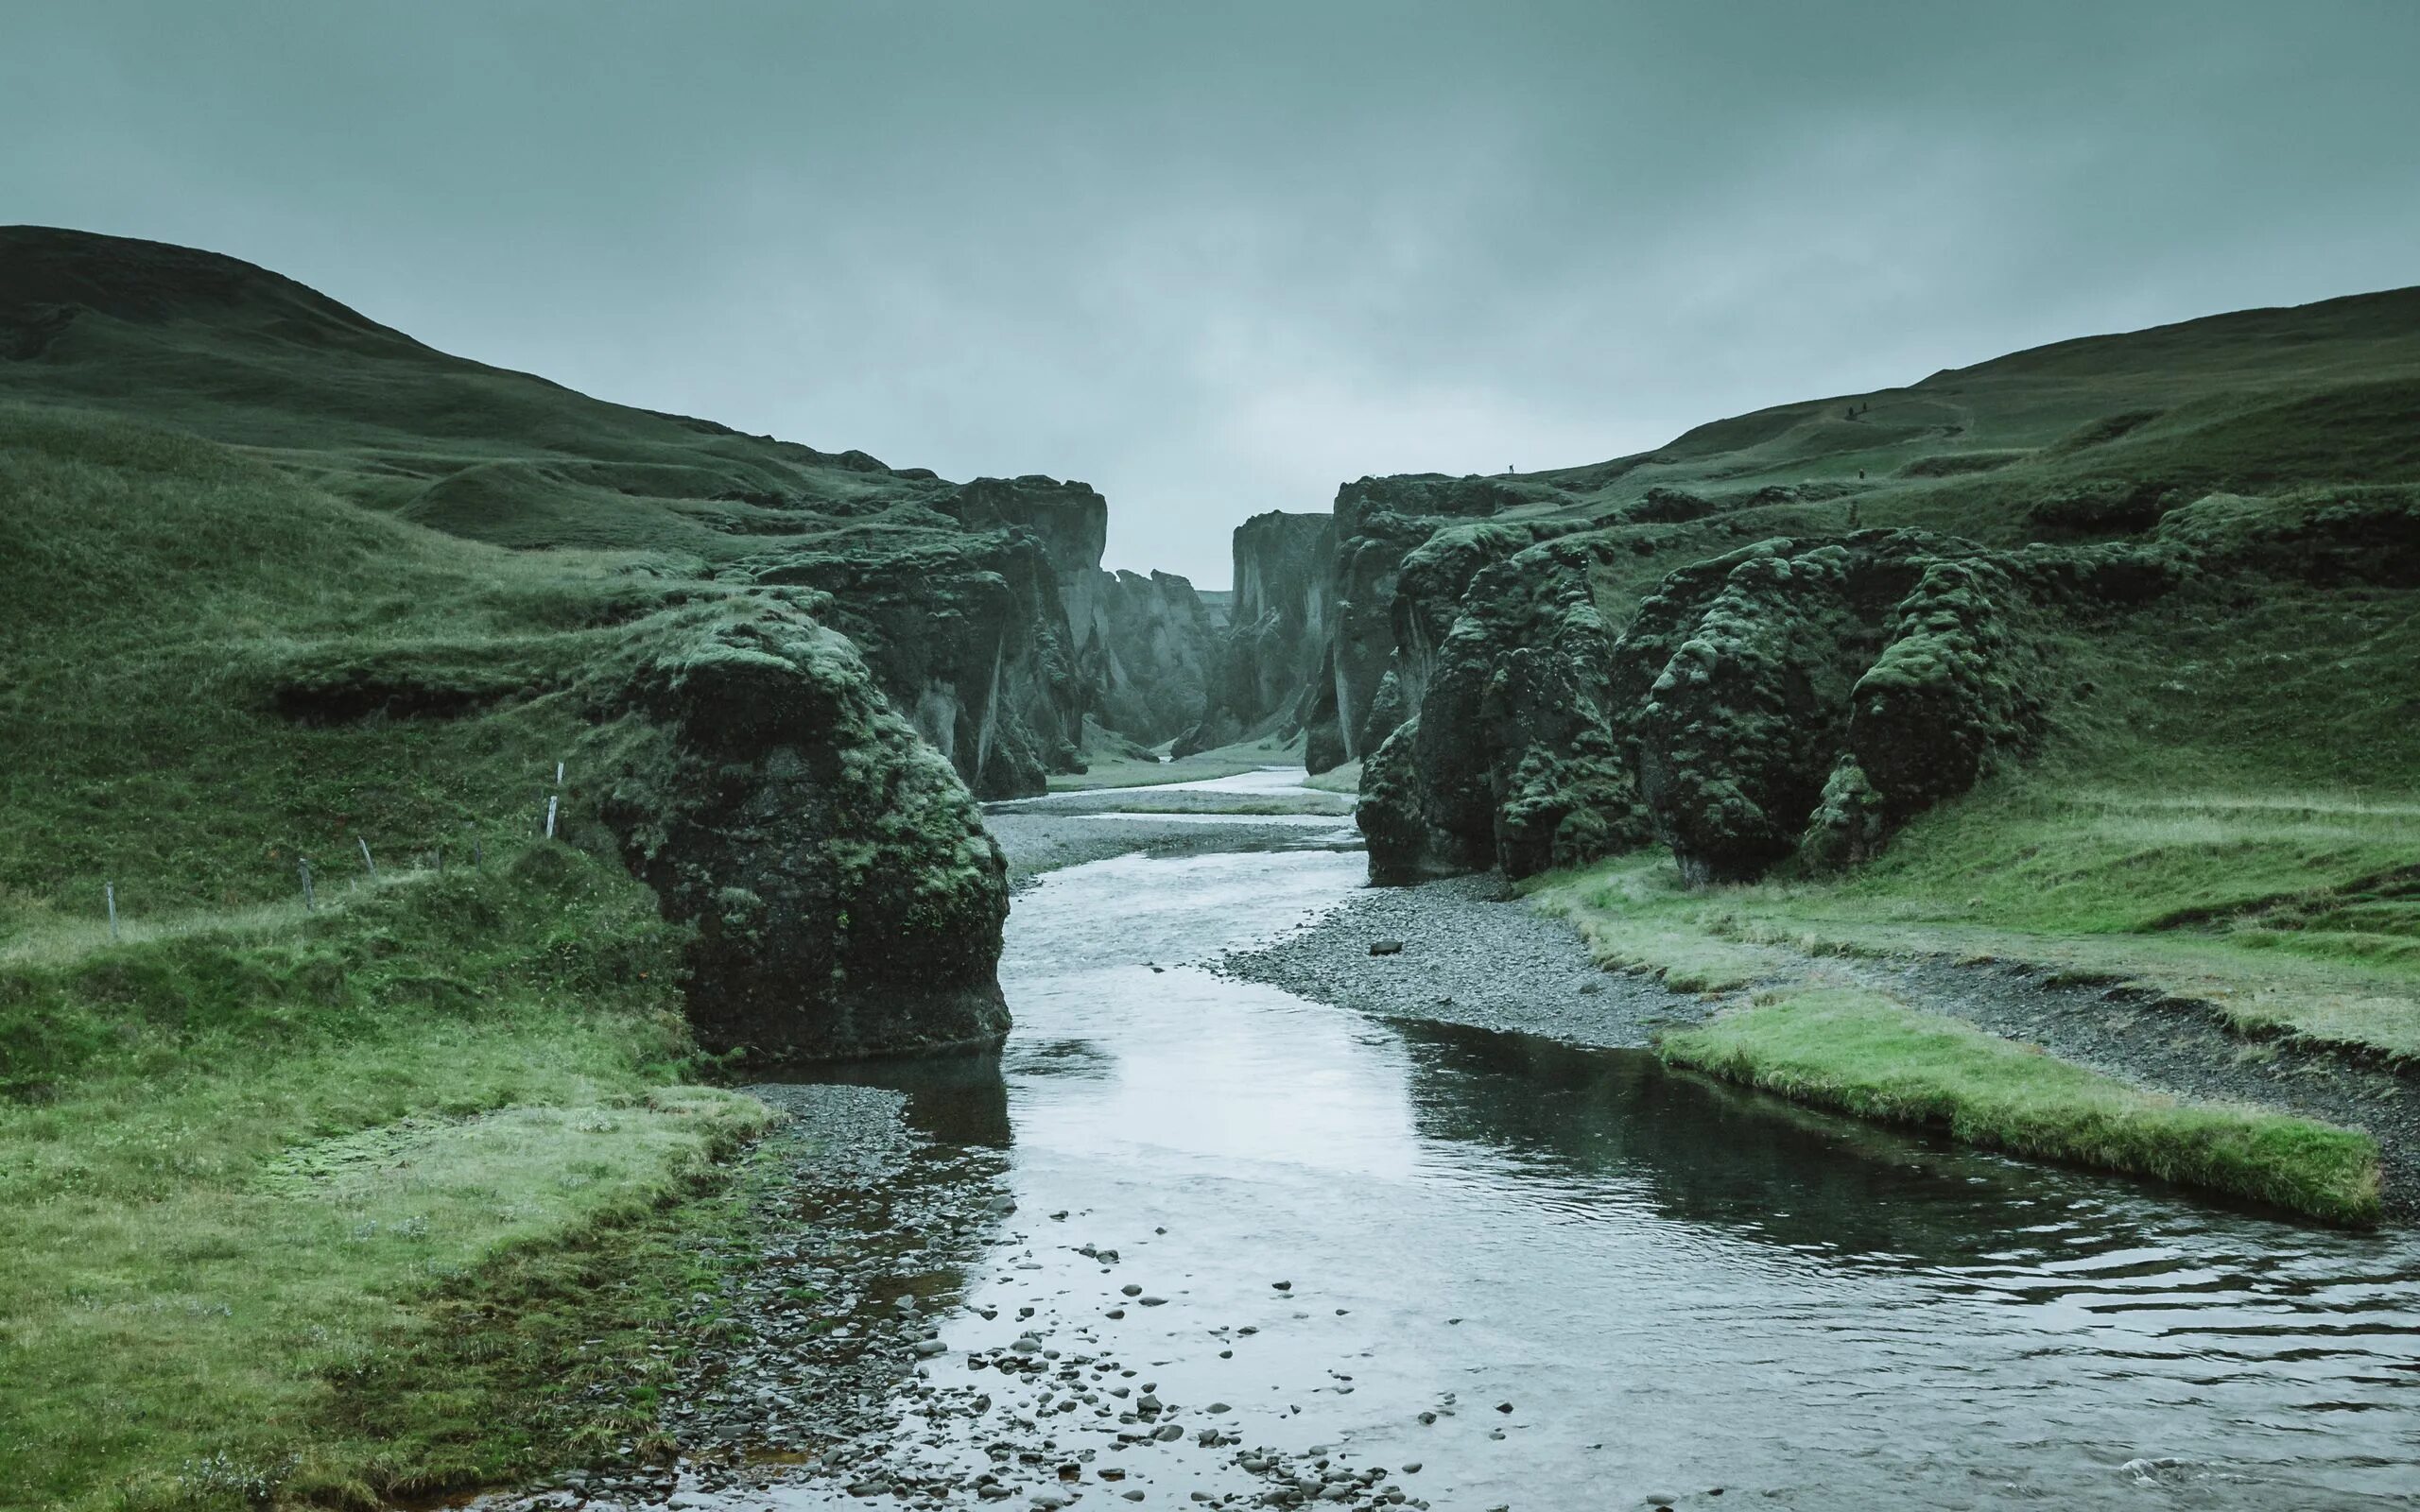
1863, 1054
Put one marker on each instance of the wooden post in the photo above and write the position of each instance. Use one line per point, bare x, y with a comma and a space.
558, 774
309, 902
366, 859
108, 894
552, 801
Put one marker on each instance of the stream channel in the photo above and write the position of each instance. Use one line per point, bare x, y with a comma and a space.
1561, 1277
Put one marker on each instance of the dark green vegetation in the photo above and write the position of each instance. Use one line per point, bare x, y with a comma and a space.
1867, 1055
2104, 656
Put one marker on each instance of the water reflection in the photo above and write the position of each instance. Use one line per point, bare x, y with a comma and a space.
1673, 1283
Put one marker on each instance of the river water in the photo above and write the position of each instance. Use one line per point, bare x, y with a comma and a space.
1602, 1282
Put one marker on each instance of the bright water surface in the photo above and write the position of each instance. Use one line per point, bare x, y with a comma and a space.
1676, 1285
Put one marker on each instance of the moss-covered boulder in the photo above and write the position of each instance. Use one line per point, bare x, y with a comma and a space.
1738, 732
844, 896
1514, 757
1958, 685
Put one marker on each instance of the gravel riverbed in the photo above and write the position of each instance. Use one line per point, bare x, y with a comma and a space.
1470, 956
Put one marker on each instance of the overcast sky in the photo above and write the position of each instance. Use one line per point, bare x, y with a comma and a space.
1216, 258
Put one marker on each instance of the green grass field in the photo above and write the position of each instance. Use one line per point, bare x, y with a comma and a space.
1863, 1054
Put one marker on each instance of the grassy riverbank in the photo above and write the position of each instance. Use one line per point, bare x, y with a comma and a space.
1863, 1054
272, 1171
2226, 818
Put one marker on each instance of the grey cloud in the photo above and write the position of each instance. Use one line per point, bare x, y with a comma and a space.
1216, 258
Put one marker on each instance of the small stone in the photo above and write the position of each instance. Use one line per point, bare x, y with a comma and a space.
1386, 947
1130, 1290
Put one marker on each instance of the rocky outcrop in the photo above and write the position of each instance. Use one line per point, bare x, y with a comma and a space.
845, 897
1514, 753
1380, 524
1785, 698
1136, 647
1267, 662
964, 631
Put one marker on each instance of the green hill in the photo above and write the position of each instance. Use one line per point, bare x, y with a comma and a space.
291, 589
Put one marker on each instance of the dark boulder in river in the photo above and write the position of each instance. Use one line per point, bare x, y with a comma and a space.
846, 899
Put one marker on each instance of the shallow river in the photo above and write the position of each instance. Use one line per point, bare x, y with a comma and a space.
1672, 1286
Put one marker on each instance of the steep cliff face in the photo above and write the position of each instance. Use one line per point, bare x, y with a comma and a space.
1154, 653
1277, 627
965, 633
1134, 650
1379, 524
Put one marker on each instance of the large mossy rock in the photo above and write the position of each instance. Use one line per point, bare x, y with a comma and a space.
1513, 756
1738, 732
845, 897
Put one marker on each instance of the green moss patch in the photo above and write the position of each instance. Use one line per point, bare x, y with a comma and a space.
1867, 1055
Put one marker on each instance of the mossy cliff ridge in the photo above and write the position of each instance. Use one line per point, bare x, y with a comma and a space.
844, 897
1786, 636
972, 602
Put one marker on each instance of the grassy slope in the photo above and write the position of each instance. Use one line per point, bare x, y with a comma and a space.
247, 357
211, 1277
